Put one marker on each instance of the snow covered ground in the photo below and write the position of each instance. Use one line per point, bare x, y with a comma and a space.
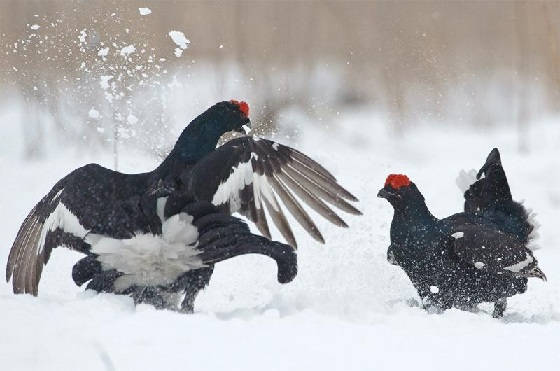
348, 309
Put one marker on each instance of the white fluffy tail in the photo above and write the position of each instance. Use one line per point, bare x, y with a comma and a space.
534, 235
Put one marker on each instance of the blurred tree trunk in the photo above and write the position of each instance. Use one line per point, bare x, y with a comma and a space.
523, 81
33, 131
553, 48
395, 101
116, 128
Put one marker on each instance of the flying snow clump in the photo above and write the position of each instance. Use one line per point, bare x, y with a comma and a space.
93, 113
127, 50
180, 40
104, 81
103, 52
131, 119
145, 11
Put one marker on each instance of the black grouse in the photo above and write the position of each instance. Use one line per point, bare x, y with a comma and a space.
479, 255
155, 236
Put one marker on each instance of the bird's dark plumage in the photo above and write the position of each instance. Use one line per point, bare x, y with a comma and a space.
107, 215
479, 255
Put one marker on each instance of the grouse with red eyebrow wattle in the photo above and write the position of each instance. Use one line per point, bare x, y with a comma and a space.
156, 236
479, 255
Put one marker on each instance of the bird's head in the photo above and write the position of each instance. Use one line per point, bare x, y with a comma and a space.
399, 189
232, 115
202, 134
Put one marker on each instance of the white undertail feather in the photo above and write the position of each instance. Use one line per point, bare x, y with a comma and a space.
147, 259
465, 179
534, 235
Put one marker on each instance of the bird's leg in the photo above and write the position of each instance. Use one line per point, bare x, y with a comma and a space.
191, 283
148, 295
187, 306
433, 308
468, 307
433, 305
499, 307
412, 302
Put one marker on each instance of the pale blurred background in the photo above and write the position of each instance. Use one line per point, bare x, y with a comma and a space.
100, 73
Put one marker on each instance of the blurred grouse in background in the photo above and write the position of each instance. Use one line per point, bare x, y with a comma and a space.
156, 236
479, 255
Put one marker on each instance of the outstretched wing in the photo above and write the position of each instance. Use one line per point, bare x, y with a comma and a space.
87, 200
247, 174
487, 248
37, 236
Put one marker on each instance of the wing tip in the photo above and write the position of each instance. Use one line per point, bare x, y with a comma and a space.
293, 243
351, 197
8, 273
352, 210
319, 238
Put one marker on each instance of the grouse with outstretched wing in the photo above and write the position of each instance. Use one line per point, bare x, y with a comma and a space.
479, 255
94, 204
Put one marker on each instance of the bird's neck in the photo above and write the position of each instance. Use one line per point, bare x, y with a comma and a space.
409, 220
414, 213
198, 139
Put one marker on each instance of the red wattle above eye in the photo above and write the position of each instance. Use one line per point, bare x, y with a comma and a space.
242, 105
397, 181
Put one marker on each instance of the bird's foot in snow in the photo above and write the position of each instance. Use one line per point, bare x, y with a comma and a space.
413, 302
432, 305
187, 306
154, 296
434, 309
499, 308
469, 308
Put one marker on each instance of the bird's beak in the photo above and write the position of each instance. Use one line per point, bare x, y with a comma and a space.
383, 193
245, 128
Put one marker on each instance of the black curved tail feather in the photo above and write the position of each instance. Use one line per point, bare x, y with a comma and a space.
491, 187
490, 197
